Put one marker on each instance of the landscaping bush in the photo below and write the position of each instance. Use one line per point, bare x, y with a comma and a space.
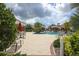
19, 54
7, 27
57, 43
71, 45
67, 46
11, 54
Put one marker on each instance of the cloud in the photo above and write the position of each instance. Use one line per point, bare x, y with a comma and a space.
29, 10
32, 20
46, 13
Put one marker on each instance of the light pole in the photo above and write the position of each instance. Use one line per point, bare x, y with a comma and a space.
61, 44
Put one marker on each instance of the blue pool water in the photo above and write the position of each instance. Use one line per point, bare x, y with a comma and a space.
50, 33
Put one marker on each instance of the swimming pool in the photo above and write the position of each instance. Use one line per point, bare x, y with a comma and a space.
50, 33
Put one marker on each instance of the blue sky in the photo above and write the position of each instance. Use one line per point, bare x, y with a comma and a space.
46, 13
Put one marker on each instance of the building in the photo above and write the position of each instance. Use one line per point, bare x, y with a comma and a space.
56, 28
19, 21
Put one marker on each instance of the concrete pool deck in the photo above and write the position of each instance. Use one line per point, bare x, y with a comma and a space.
38, 44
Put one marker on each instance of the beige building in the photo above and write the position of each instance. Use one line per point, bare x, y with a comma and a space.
19, 21
56, 27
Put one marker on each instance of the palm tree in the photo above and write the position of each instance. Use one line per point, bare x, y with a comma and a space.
67, 26
75, 18
38, 27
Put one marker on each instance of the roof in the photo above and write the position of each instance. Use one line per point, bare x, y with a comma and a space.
19, 21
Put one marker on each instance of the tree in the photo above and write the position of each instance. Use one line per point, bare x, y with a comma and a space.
38, 27
67, 26
71, 42
75, 18
29, 28
75, 22
7, 27
73, 5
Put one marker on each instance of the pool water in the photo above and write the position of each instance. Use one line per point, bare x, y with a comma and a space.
50, 33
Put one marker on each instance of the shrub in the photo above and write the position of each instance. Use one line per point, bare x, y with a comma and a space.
29, 28
7, 27
57, 43
71, 45
11, 54
67, 46
19, 54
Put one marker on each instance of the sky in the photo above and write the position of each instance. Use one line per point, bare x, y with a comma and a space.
46, 13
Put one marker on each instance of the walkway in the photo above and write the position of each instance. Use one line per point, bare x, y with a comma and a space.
38, 44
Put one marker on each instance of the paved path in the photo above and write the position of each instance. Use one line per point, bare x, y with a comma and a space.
36, 44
